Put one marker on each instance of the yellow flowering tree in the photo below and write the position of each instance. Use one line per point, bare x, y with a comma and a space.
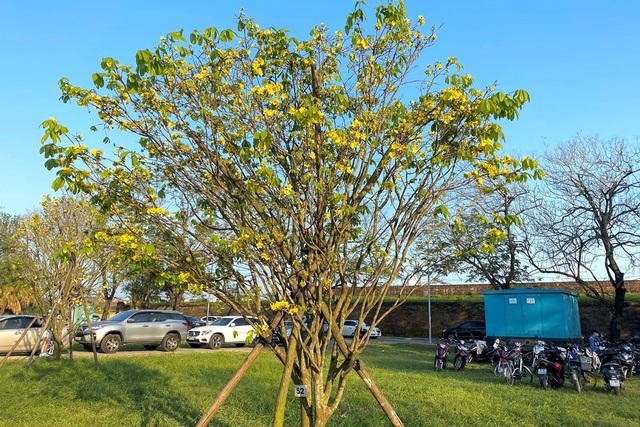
14, 294
296, 172
57, 266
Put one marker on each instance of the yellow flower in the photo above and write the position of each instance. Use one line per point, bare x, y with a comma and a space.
280, 305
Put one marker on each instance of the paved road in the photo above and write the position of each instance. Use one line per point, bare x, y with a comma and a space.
125, 352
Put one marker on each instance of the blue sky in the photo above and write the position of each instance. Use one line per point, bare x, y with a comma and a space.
578, 60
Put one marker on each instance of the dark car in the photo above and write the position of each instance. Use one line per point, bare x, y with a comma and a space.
471, 329
194, 322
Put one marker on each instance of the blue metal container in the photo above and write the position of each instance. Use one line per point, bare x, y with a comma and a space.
546, 314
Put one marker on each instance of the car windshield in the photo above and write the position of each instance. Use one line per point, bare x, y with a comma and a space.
192, 318
222, 321
124, 315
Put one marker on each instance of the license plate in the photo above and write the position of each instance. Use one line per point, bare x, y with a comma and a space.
77, 338
614, 383
542, 371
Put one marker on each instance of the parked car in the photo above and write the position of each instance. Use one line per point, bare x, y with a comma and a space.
288, 327
11, 329
209, 319
194, 322
224, 330
471, 329
150, 328
350, 327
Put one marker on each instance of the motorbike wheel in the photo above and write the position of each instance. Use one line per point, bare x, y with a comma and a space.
544, 382
438, 365
575, 379
616, 390
457, 364
511, 379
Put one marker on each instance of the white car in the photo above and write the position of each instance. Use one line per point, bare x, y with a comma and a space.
209, 319
224, 330
350, 327
12, 328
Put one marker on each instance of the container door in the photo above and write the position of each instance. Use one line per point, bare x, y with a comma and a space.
513, 314
532, 316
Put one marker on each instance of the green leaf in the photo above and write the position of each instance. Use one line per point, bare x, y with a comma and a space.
98, 80
57, 184
108, 64
177, 36
227, 36
211, 32
50, 164
441, 211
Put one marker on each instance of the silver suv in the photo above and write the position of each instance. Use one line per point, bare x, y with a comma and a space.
150, 328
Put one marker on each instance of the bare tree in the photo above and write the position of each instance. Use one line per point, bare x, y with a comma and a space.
585, 225
483, 243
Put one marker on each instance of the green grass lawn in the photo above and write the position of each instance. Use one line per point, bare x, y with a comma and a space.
175, 389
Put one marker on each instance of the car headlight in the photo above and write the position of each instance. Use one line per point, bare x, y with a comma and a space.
93, 328
206, 332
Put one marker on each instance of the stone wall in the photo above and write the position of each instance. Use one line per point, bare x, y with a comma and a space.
476, 289
412, 318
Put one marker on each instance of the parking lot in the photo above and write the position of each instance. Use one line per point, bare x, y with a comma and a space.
126, 352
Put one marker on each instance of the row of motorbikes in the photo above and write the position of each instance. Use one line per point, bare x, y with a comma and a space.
614, 361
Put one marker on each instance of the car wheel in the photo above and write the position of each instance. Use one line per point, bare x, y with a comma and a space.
111, 343
451, 337
195, 345
216, 341
50, 348
171, 342
151, 346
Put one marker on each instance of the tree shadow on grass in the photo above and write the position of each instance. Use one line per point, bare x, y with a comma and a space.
123, 384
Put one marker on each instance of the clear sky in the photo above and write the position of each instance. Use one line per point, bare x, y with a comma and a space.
578, 60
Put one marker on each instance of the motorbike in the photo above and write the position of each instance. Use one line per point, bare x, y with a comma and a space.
462, 356
550, 366
626, 359
500, 359
474, 347
636, 360
574, 367
612, 372
484, 353
442, 353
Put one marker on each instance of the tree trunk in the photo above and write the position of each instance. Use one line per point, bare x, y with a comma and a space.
233, 382
109, 293
283, 391
618, 311
394, 419
228, 388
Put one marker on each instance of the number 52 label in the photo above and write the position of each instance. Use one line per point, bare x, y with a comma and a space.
300, 390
